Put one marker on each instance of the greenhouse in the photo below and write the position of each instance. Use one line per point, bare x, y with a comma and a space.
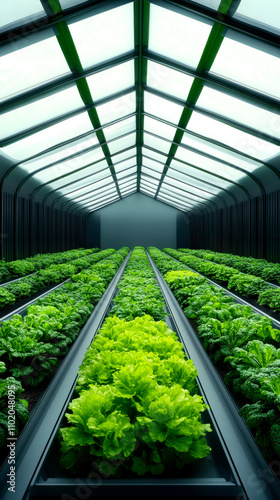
140, 249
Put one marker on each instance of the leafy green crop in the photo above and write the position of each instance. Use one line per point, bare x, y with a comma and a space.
244, 344
138, 405
138, 291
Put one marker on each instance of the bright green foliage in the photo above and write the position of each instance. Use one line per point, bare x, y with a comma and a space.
6, 298
264, 424
247, 284
270, 298
242, 343
255, 353
138, 405
138, 291
32, 345
13, 386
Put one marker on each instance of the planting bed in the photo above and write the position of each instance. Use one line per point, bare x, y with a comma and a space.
226, 470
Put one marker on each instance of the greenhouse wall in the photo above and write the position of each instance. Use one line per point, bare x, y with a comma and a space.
251, 229
29, 226
135, 220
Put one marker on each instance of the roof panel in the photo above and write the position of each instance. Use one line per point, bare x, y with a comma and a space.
168, 80
49, 137
25, 66
240, 111
265, 14
104, 36
169, 110
117, 108
162, 108
232, 137
112, 80
171, 33
250, 66
40, 111
17, 12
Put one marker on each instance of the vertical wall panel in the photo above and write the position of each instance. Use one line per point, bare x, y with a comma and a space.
252, 228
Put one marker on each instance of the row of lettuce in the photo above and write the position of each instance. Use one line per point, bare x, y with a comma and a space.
246, 284
53, 274
269, 271
32, 346
22, 267
136, 409
242, 344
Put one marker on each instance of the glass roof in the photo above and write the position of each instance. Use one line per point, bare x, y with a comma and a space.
99, 100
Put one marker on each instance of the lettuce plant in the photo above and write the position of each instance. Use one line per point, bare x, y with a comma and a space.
137, 406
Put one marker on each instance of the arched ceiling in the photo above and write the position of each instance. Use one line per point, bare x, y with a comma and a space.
178, 100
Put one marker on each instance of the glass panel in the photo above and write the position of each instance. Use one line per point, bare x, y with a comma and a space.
108, 35
154, 155
79, 178
111, 80
203, 175
149, 181
70, 165
184, 186
174, 203
124, 155
30, 66
60, 153
40, 111
125, 164
96, 204
249, 66
163, 108
36, 143
127, 191
126, 172
123, 143
103, 182
147, 191
193, 181
153, 164
267, 13
245, 143
17, 10
189, 195
125, 183
211, 4
148, 171
90, 194
117, 108
159, 128
105, 190
120, 128
65, 4
171, 33
240, 111
154, 142
168, 80
99, 205
219, 152
176, 199
207, 164
85, 185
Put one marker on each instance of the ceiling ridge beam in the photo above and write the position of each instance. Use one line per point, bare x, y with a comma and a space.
141, 33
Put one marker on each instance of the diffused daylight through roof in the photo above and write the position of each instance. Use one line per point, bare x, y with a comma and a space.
178, 100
